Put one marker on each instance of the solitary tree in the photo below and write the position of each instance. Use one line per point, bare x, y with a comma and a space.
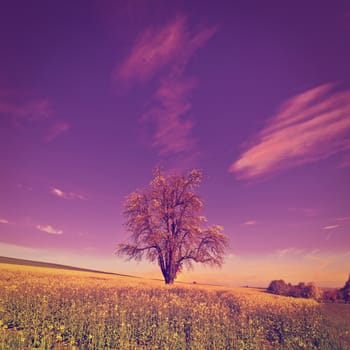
167, 227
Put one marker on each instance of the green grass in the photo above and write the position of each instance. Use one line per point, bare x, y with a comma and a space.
338, 322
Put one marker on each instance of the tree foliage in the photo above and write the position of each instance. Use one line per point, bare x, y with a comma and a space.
166, 226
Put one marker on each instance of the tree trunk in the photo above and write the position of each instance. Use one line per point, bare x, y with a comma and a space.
168, 271
168, 278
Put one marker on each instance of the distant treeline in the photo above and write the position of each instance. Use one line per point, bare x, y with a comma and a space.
310, 291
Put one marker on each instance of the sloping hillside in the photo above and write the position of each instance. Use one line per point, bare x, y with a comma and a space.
16, 261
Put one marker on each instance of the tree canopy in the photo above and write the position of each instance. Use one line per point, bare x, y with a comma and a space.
166, 226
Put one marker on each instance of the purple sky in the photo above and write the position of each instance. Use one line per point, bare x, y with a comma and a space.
95, 94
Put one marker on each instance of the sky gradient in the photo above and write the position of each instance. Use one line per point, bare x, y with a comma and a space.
95, 94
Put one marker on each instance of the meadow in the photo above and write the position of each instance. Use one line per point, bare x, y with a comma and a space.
46, 308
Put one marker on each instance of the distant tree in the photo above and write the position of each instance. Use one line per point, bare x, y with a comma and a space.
166, 226
295, 291
311, 291
278, 287
344, 293
330, 295
300, 290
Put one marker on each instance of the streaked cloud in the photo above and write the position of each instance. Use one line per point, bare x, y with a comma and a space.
250, 222
66, 195
308, 127
163, 53
330, 227
157, 48
49, 229
3, 221
56, 130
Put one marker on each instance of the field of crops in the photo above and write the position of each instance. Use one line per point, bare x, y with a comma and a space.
42, 308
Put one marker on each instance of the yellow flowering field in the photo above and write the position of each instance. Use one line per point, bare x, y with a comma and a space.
44, 308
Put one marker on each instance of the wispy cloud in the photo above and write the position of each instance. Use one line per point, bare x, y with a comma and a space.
49, 229
345, 162
172, 127
306, 211
329, 236
330, 227
66, 195
291, 251
153, 49
21, 112
305, 256
24, 187
160, 48
324, 261
310, 211
3, 221
345, 219
56, 130
310, 126
250, 222
164, 53
326, 269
